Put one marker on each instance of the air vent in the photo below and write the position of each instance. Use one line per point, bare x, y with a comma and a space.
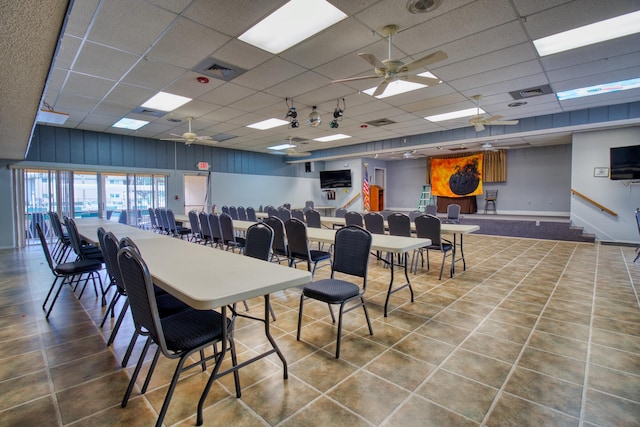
148, 112
218, 69
531, 92
297, 140
222, 137
380, 122
457, 148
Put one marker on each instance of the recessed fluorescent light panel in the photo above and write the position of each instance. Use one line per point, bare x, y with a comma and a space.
282, 147
268, 124
332, 137
164, 101
608, 29
598, 89
132, 124
400, 86
455, 114
292, 23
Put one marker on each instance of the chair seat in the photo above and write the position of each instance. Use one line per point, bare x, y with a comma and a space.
332, 291
192, 328
78, 267
445, 247
319, 255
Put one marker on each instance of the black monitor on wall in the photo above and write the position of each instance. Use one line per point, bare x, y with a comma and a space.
335, 179
624, 162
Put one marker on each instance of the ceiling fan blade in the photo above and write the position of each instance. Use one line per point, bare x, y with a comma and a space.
371, 59
491, 119
172, 139
479, 127
175, 134
505, 122
427, 81
381, 88
204, 138
351, 79
424, 61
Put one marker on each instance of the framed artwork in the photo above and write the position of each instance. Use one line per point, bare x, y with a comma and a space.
601, 172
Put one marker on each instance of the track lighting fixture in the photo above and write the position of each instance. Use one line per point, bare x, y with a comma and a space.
291, 115
337, 114
314, 119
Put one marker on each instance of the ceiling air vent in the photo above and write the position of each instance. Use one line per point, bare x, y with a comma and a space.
531, 92
218, 69
222, 137
380, 122
148, 112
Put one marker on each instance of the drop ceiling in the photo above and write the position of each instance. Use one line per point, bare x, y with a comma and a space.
114, 55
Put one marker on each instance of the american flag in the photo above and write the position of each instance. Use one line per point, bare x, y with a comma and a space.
365, 191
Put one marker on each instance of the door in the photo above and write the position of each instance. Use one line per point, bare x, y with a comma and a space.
195, 193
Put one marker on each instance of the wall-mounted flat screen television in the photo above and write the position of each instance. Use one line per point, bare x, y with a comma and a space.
624, 162
335, 179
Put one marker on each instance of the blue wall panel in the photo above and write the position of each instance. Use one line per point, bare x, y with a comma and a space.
62, 137
76, 145
102, 141
128, 152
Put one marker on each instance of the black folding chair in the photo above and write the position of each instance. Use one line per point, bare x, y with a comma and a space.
178, 336
68, 272
350, 256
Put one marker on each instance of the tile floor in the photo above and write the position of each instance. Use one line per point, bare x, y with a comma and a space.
535, 332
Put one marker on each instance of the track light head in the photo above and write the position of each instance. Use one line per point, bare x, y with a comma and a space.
334, 124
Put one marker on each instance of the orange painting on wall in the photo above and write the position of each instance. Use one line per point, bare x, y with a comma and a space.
457, 177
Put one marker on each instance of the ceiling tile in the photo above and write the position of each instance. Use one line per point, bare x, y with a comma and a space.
102, 61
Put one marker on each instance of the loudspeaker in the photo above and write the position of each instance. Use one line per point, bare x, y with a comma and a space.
308, 167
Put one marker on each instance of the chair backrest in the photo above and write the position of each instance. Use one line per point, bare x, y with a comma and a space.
271, 211
399, 224
340, 213
171, 222
45, 246
374, 222
139, 286
165, 220
313, 218
38, 218
429, 227
279, 235
226, 228
56, 225
284, 213
287, 206
491, 195
353, 218
152, 219
351, 251
110, 247
76, 242
259, 240
122, 219
225, 209
385, 213
251, 214
414, 214
160, 219
298, 214
432, 210
233, 212
453, 212
309, 204
205, 228
214, 223
297, 238
194, 223
242, 213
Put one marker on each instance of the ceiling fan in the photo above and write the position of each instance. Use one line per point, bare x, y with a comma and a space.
189, 137
292, 150
479, 120
411, 154
391, 70
487, 146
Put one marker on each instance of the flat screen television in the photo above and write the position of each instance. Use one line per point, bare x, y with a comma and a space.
335, 179
624, 162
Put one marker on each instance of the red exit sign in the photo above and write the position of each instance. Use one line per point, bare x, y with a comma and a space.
202, 166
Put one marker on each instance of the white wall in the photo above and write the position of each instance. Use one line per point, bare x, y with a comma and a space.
591, 150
